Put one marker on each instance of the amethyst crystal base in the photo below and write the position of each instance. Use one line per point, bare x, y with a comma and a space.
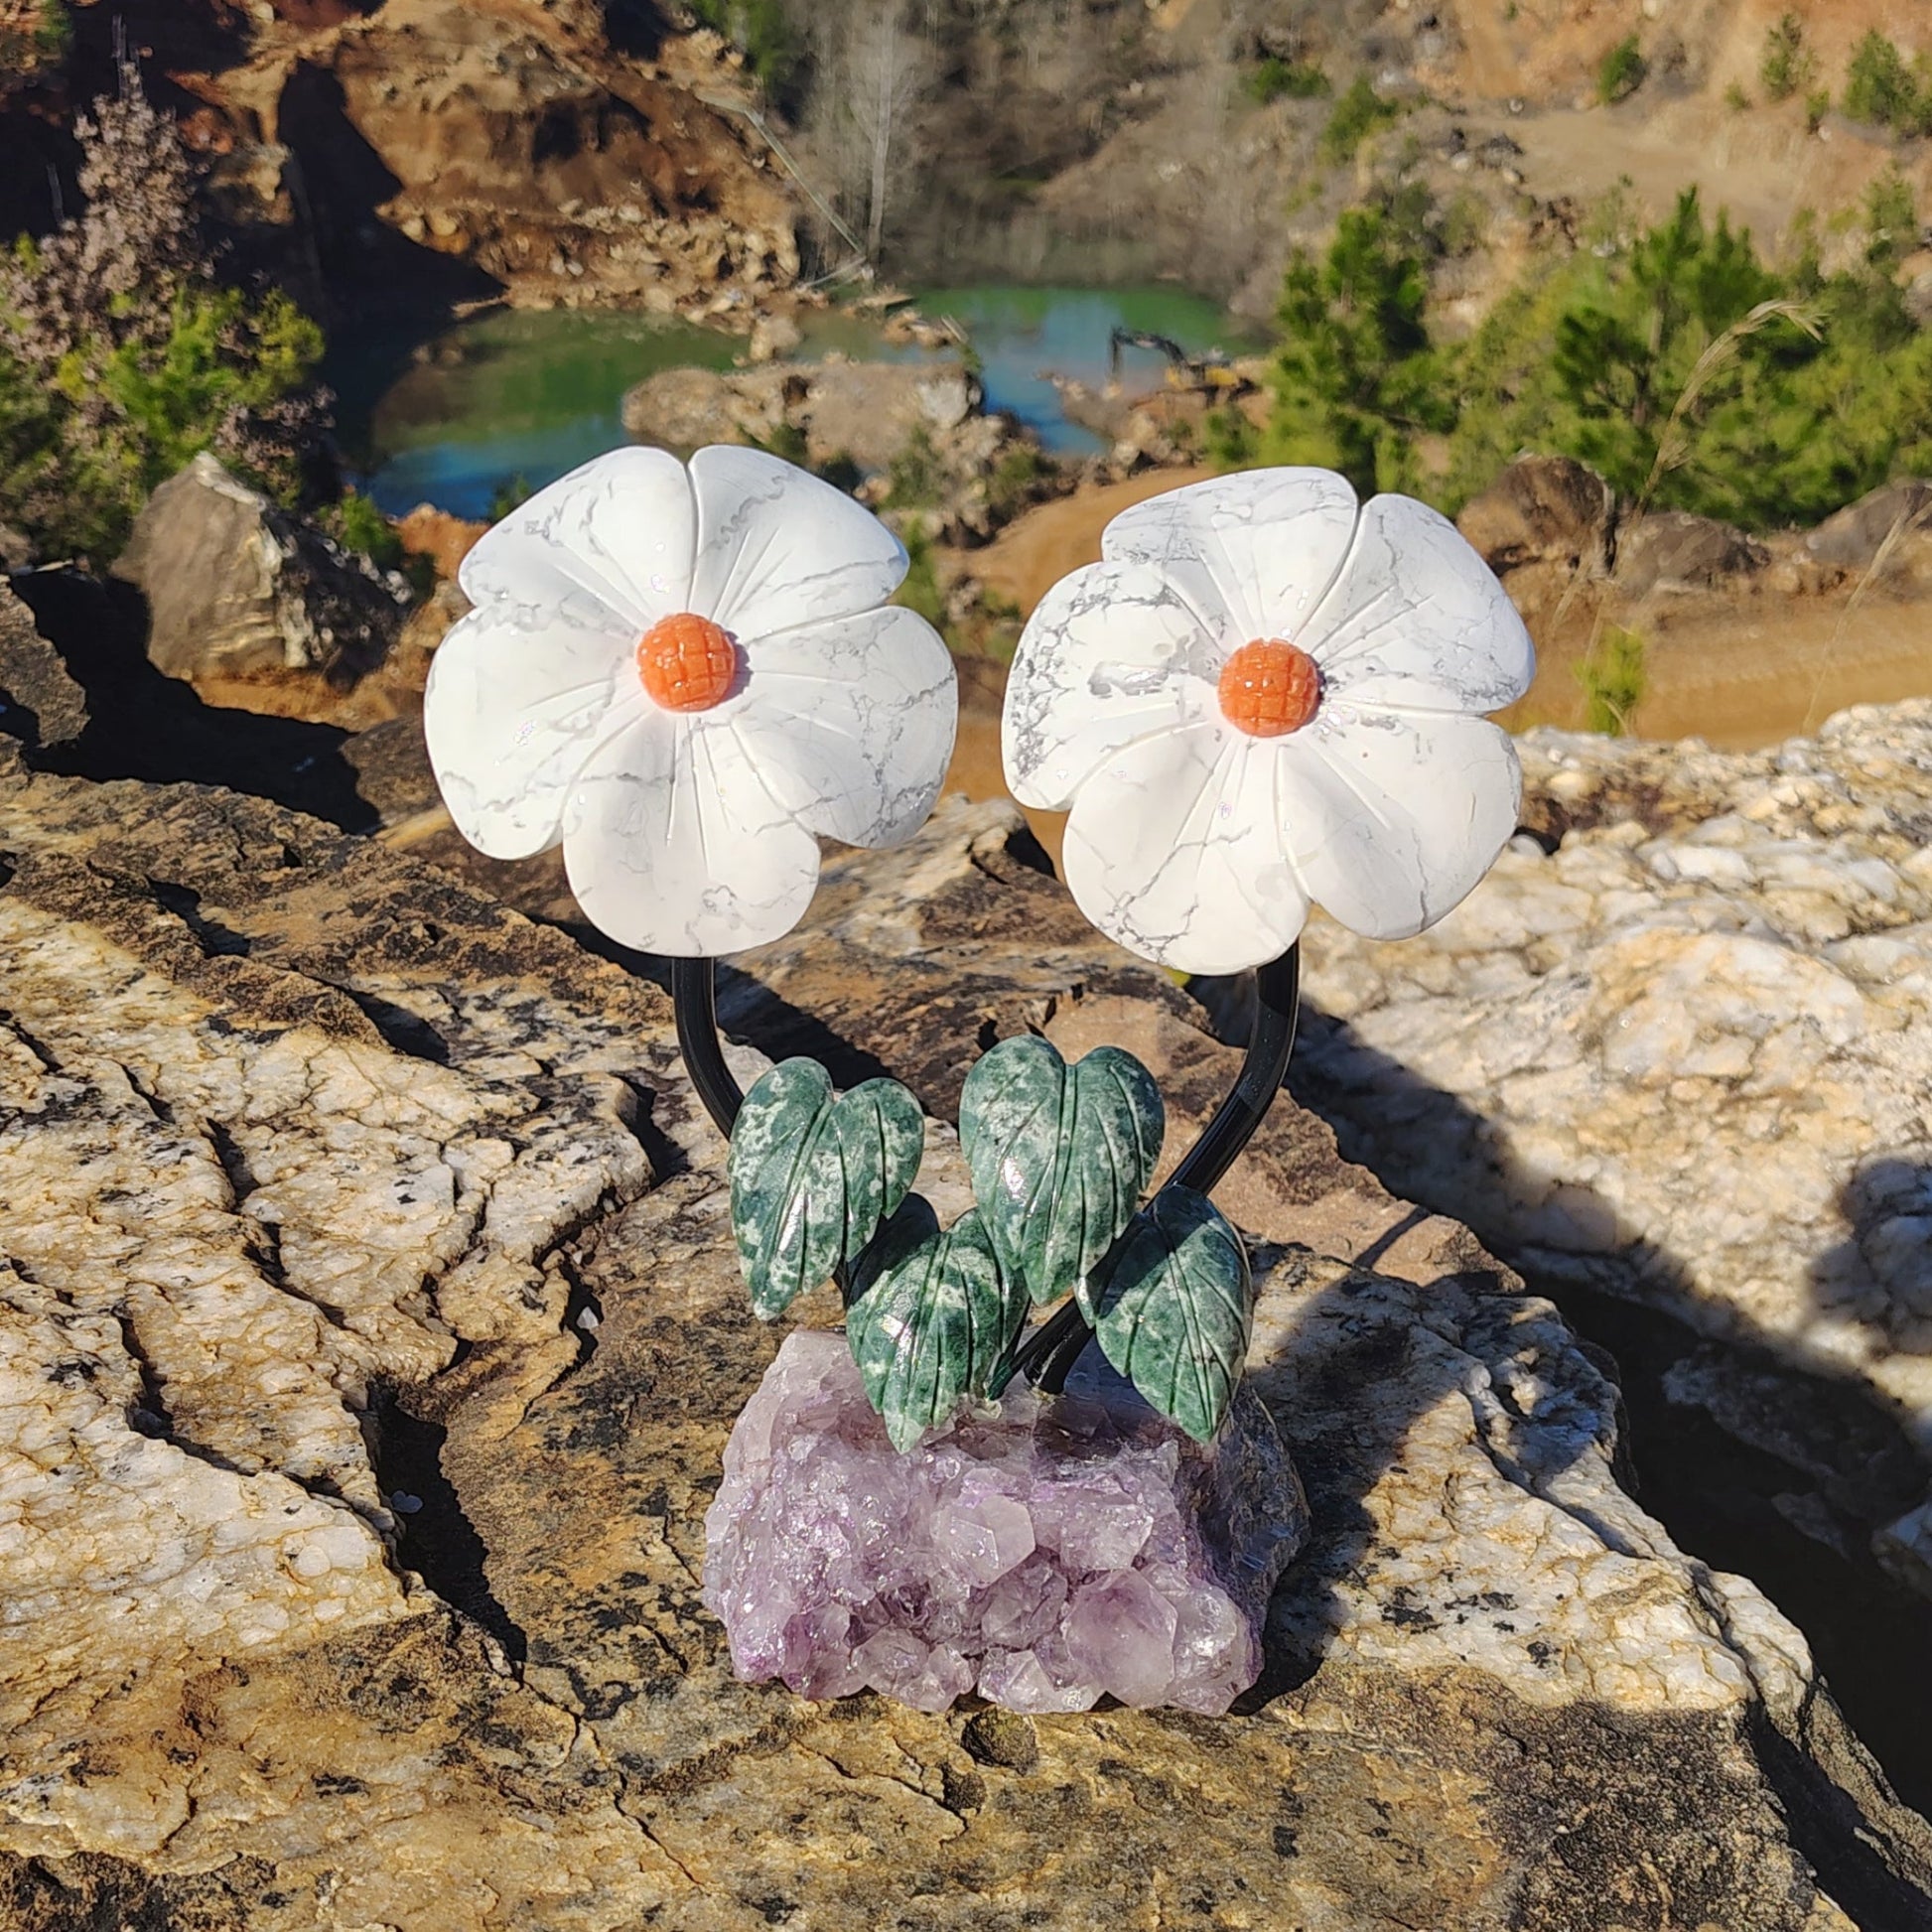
1045, 1552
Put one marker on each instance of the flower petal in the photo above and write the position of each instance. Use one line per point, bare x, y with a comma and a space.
1392, 820
622, 529
1418, 619
777, 548
1175, 849
851, 722
1113, 654
517, 699
674, 845
1263, 545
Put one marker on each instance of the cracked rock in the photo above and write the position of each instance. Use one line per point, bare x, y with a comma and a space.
1682, 1059
301, 1136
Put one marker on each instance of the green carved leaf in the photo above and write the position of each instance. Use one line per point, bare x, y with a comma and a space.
934, 1316
1058, 1155
814, 1177
1175, 1316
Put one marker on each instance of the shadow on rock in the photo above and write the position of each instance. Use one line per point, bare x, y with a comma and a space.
1774, 1470
344, 182
1347, 1385
134, 722
1882, 1275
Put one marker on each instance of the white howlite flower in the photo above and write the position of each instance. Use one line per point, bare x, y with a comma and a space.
1265, 695
686, 678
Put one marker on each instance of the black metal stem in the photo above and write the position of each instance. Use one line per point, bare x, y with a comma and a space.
694, 1002
1051, 1351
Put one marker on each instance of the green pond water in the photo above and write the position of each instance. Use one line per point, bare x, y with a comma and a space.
514, 394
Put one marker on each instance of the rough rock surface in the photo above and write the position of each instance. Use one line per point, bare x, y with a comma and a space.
460, 150
1542, 509
1673, 551
41, 703
868, 412
1684, 1059
337, 1190
236, 585
1042, 1554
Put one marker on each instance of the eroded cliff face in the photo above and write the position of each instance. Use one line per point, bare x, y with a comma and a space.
433, 148
541, 155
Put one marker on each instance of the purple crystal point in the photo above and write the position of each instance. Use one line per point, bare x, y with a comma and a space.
1046, 1552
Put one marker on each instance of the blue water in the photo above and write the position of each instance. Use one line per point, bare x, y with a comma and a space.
519, 397
1022, 335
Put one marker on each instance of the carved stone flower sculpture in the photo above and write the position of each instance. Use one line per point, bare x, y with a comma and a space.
1264, 695
686, 678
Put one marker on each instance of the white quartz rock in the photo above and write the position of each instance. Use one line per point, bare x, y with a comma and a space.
1684, 1061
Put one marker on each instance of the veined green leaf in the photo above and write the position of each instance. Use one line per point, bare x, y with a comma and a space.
933, 1317
1175, 1316
814, 1177
1058, 1155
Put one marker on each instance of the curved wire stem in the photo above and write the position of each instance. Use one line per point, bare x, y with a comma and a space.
1052, 1349
694, 1002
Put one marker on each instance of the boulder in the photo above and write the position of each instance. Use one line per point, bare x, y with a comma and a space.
236, 586
1682, 1059
439, 146
866, 411
1542, 509
1853, 537
1673, 551
773, 336
17, 550
371, 1342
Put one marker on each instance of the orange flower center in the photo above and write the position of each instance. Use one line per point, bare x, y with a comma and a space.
687, 663
1269, 687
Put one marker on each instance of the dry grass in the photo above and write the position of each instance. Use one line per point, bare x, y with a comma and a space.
1672, 446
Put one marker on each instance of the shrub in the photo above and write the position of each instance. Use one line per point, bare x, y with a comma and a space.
1272, 78
357, 524
1010, 486
1883, 91
1357, 114
1464, 225
1768, 425
914, 479
1878, 85
788, 442
1613, 679
919, 592
139, 358
509, 493
1786, 65
763, 32
1355, 379
842, 472
1623, 71
1735, 98
1818, 105
1230, 437
1891, 221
